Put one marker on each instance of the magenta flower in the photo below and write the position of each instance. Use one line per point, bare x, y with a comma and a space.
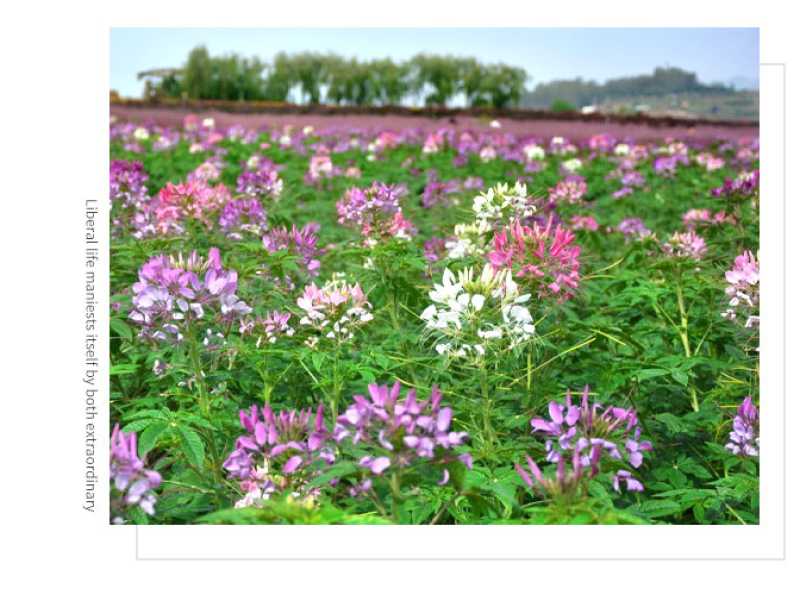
132, 482
570, 191
584, 427
262, 183
543, 259
194, 200
584, 222
272, 327
744, 437
631, 483
128, 187
300, 242
376, 212
694, 218
243, 215
743, 289
321, 167
567, 484
687, 245
334, 312
400, 431
634, 229
170, 295
742, 186
278, 453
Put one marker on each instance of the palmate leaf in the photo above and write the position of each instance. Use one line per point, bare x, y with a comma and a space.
191, 445
150, 436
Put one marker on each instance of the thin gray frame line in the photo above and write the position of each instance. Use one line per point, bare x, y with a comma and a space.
782, 558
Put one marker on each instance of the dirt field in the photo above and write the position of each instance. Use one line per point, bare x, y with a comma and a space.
544, 128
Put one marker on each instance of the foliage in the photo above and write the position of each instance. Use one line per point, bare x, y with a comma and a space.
435, 79
302, 313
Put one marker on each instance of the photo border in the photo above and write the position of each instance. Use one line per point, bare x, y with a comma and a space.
190, 543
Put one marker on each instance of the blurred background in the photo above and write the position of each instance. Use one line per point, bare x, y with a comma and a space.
676, 73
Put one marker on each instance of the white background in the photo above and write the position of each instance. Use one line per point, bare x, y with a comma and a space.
54, 124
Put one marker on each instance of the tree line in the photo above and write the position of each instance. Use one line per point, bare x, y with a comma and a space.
577, 92
333, 79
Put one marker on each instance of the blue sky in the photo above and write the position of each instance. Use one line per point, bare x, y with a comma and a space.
546, 54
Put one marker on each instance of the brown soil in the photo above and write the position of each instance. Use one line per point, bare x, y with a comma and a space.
545, 127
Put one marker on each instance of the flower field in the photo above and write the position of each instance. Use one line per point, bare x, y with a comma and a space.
352, 326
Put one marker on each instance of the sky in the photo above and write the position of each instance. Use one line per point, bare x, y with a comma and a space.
715, 54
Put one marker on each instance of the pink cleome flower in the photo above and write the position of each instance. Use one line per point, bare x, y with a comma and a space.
540, 256
687, 245
193, 199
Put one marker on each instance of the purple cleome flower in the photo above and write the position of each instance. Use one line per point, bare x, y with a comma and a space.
279, 453
129, 476
584, 428
170, 295
744, 437
301, 242
400, 431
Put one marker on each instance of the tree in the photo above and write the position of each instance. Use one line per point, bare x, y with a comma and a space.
472, 75
504, 85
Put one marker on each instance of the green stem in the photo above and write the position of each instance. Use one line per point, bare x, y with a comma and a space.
336, 386
396, 500
529, 368
198, 372
683, 331
487, 409
265, 379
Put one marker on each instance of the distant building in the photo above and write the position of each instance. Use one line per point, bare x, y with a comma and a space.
588, 109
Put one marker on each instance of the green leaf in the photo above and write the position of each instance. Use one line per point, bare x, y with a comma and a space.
192, 446
122, 329
150, 436
680, 377
138, 516
646, 374
672, 422
317, 359
140, 424
654, 509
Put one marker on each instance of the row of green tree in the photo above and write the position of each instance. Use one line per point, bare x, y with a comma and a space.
431, 79
577, 92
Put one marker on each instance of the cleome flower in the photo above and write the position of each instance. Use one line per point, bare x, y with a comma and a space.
170, 295
399, 433
470, 240
472, 316
128, 188
301, 242
567, 484
271, 326
242, 215
542, 259
743, 289
334, 312
132, 482
584, 222
633, 228
504, 204
687, 245
570, 191
375, 211
744, 437
592, 429
195, 199
279, 453
262, 183
746, 184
